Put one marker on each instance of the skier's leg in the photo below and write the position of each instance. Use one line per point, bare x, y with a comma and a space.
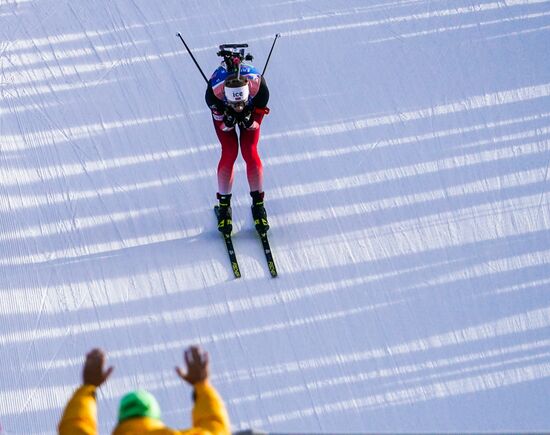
254, 172
230, 150
249, 150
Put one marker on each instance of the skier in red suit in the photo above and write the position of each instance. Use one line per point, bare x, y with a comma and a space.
238, 96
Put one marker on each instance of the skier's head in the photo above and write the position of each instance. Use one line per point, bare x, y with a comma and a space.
236, 93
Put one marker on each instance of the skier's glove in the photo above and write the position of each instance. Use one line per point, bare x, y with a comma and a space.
229, 121
247, 121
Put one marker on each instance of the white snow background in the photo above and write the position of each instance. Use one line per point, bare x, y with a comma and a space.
406, 173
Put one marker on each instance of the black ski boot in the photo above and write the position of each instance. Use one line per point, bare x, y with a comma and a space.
225, 224
258, 212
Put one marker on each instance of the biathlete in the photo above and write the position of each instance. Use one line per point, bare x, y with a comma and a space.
237, 96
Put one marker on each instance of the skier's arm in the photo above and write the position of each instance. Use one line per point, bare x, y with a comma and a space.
261, 99
252, 116
212, 101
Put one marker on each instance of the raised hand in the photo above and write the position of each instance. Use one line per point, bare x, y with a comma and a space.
196, 361
93, 372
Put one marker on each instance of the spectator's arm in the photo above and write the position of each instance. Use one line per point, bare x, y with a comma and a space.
80, 415
209, 412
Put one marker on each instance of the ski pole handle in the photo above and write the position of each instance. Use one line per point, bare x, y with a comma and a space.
270, 51
193, 57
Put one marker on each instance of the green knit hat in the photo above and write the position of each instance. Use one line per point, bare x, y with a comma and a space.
138, 404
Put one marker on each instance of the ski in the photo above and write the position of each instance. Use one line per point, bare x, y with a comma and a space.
230, 250
233, 257
268, 254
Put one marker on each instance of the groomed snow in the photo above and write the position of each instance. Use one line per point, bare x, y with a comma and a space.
406, 166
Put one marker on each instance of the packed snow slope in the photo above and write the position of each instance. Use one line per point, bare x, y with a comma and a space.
406, 174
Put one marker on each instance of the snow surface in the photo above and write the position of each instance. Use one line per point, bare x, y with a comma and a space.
406, 161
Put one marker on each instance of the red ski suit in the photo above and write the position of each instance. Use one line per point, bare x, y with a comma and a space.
249, 149
247, 139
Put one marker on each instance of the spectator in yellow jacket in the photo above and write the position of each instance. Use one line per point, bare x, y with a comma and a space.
139, 412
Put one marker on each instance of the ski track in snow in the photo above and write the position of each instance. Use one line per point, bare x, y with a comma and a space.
406, 160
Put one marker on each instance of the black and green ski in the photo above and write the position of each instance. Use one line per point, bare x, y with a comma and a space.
233, 257
230, 250
268, 254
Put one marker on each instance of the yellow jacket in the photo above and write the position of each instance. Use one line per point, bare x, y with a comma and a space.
209, 416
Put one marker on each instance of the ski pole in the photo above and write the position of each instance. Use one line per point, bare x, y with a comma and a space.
270, 51
193, 57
